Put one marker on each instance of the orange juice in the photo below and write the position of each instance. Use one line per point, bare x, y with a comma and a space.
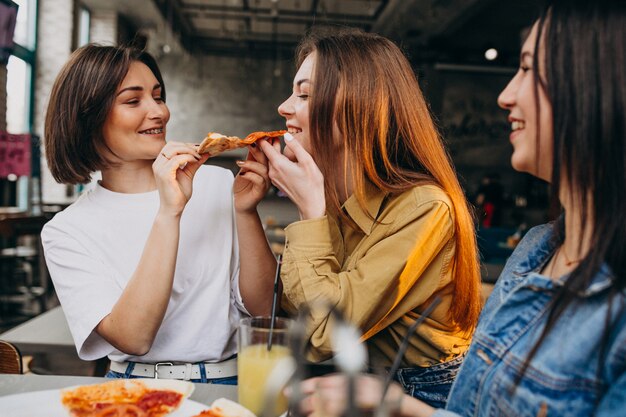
255, 364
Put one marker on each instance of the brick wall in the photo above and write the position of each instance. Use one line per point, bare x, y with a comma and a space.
54, 45
235, 96
3, 97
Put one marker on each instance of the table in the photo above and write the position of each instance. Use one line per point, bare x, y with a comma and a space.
15, 384
48, 339
45, 333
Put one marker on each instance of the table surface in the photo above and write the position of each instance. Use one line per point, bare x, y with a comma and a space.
12, 211
15, 384
48, 331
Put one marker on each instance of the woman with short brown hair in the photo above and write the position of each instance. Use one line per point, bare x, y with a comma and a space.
146, 264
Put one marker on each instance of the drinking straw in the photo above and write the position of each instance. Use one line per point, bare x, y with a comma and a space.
279, 262
405, 344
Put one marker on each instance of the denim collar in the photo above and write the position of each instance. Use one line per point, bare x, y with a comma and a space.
545, 245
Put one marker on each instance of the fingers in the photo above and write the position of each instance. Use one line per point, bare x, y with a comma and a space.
256, 174
171, 149
186, 163
271, 151
275, 142
194, 166
301, 154
309, 402
256, 154
322, 396
253, 166
181, 155
328, 395
308, 386
256, 180
308, 405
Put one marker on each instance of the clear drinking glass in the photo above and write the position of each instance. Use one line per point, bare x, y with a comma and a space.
256, 360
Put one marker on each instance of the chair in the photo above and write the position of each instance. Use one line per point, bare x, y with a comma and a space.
23, 273
10, 358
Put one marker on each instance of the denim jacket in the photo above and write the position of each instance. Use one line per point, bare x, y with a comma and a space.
565, 377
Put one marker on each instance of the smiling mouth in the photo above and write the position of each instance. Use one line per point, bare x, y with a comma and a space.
517, 125
294, 130
152, 131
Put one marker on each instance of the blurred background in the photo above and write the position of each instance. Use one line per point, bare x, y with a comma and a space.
227, 65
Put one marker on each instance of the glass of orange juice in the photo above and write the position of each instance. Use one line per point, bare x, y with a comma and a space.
256, 360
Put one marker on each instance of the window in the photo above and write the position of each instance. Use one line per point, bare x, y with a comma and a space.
20, 74
18, 95
84, 19
25, 25
20, 90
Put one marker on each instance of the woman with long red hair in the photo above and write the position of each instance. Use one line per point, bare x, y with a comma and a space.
385, 226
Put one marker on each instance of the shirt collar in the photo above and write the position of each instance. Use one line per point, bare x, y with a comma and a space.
374, 198
545, 245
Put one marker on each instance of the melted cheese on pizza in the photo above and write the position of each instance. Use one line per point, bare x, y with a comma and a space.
216, 143
127, 398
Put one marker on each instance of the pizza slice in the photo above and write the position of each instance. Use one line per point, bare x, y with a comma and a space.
216, 143
223, 407
129, 398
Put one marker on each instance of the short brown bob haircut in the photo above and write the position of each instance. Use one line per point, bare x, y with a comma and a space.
81, 98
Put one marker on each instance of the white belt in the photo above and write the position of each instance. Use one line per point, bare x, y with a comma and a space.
185, 371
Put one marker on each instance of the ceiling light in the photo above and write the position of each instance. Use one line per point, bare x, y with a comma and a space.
491, 54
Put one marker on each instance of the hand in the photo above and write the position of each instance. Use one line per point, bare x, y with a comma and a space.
327, 395
302, 180
252, 181
174, 170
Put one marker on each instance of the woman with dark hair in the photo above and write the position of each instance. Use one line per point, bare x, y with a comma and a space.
385, 227
552, 337
147, 273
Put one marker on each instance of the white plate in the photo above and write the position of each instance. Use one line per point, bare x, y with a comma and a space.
48, 404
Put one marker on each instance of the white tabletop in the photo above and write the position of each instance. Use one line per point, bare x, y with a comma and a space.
47, 332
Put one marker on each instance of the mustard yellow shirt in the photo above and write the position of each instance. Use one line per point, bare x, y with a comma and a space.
364, 272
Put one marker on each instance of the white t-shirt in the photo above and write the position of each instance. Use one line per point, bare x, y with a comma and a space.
92, 249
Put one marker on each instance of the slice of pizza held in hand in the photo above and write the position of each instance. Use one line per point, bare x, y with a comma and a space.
216, 143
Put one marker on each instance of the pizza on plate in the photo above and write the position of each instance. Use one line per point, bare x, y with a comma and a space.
223, 407
126, 398
216, 143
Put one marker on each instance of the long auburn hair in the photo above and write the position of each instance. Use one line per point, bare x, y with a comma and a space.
365, 86
584, 56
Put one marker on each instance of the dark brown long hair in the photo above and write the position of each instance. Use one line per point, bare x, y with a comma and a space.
366, 87
81, 98
584, 56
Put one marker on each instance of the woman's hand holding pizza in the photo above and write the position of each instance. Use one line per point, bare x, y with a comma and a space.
301, 180
252, 181
174, 169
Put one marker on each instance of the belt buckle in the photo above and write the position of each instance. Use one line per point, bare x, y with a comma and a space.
156, 368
